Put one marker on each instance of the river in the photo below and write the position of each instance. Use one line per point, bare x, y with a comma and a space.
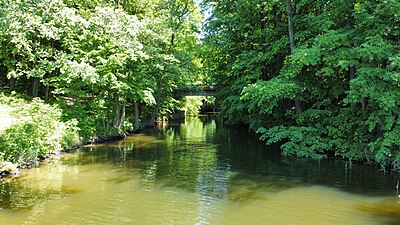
197, 172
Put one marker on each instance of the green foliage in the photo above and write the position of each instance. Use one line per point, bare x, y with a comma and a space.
343, 74
263, 96
300, 141
37, 133
97, 58
192, 104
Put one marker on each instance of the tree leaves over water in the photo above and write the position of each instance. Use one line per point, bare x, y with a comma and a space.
344, 71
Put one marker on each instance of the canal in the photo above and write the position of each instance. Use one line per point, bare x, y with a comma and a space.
197, 172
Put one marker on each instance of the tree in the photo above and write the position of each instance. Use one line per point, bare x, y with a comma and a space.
101, 60
343, 61
291, 38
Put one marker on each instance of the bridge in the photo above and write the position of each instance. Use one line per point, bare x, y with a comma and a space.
196, 90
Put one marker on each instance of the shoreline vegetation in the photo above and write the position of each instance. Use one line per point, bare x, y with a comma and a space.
21, 120
91, 70
32, 131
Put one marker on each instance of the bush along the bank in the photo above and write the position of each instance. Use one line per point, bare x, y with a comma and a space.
37, 132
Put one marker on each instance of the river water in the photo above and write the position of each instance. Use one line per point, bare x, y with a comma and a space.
197, 172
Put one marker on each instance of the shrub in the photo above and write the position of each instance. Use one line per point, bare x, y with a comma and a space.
38, 132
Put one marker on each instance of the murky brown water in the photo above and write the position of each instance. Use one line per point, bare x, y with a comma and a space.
197, 172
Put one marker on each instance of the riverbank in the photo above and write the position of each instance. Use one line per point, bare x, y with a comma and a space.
31, 131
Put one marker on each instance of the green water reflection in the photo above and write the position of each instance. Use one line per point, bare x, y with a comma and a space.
197, 172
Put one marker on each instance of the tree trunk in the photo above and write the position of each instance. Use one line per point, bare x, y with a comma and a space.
117, 114
290, 22
363, 104
12, 83
264, 73
297, 102
297, 105
105, 124
262, 18
152, 120
352, 75
278, 57
35, 86
352, 69
276, 15
171, 44
352, 72
136, 123
122, 118
379, 127
47, 93
277, 25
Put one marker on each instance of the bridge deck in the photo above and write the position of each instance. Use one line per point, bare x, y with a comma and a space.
205, 90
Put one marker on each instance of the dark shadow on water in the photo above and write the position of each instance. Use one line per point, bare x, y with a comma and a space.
244, 188
246, 154
119, 179
69, 190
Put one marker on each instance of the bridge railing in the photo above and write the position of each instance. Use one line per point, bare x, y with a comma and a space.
197, 88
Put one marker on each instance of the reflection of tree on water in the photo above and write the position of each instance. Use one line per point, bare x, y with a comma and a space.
246, 154
174, 156
193, 164
211, 187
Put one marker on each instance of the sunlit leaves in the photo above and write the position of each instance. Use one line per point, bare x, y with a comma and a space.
263, 96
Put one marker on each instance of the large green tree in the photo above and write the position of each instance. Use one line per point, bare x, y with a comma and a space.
103, 61
338, 58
